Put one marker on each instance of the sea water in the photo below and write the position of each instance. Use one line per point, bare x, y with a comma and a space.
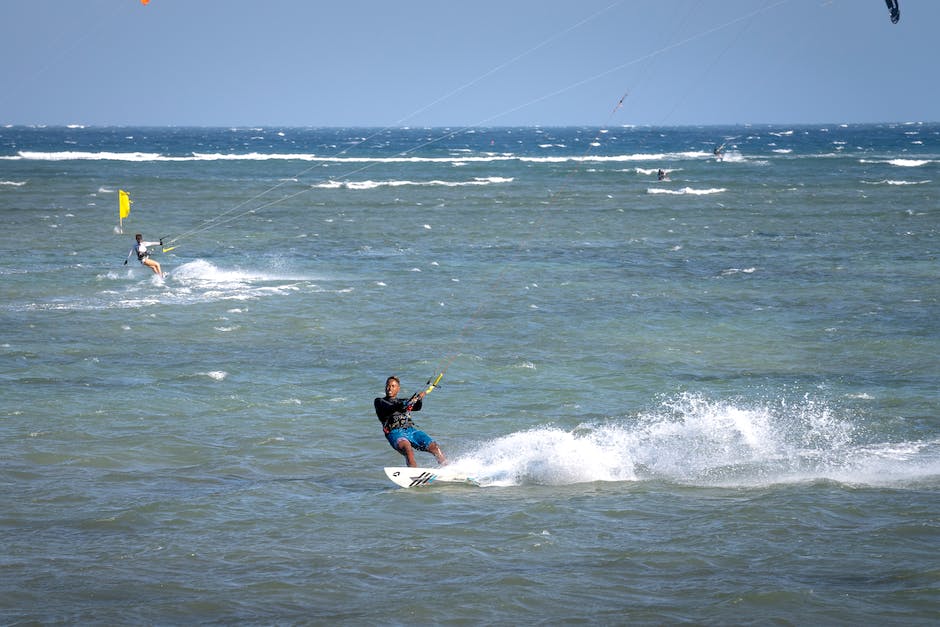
712, 398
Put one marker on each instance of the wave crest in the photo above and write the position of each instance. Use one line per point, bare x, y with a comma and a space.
692, 440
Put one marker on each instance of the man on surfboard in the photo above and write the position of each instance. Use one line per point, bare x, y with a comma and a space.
400, 431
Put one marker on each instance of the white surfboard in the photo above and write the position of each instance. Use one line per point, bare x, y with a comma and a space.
408, 477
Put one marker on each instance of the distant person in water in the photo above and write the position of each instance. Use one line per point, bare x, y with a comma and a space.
400, 431
661, 175
143, 254
719, 152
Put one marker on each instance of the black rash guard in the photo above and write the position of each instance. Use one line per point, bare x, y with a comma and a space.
391, 413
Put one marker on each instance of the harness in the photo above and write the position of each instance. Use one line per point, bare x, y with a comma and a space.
397, 422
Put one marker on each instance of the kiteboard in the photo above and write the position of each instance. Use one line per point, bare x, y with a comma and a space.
408, 477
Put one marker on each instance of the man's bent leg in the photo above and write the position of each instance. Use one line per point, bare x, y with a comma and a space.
437, 452
404, 447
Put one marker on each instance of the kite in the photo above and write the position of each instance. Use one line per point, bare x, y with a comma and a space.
892, 8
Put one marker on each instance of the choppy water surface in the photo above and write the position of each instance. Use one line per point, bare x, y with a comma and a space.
710, 399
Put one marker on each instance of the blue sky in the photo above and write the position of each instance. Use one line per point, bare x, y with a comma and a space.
462, 63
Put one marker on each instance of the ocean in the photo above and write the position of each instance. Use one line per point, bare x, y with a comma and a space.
709, 399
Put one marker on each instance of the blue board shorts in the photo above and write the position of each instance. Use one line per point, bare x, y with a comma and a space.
419, 439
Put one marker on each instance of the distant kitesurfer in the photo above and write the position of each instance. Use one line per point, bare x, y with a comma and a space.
661, 175
400, 431
719, 152
143, 254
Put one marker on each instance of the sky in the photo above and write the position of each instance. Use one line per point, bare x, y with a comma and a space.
464, 63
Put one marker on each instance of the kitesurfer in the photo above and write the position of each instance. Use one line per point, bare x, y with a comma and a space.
661, 175
143, 254
401, 433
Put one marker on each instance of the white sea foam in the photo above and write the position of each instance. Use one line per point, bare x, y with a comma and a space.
901, 163
696, 441
891, 182
686, 191
549, 456
909, 163
734, 156
310, 157
13, 183
361, 185
201, 280
192, 282
87, 156
201, 270
218, 375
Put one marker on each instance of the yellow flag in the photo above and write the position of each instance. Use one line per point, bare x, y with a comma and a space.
124, 204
